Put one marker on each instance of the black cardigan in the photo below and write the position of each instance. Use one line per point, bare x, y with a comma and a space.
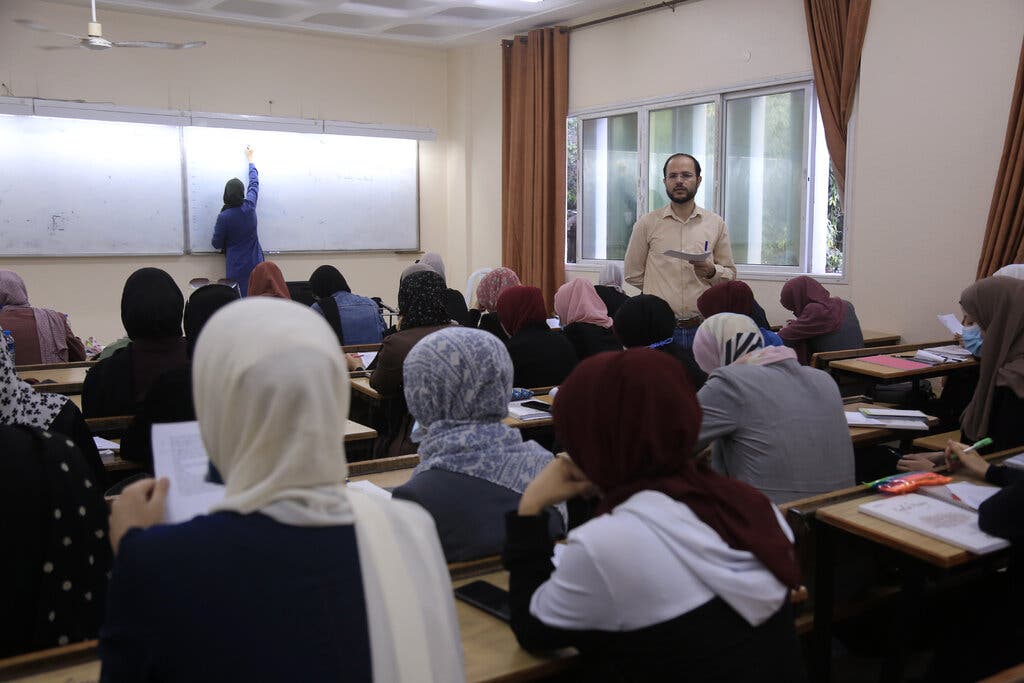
588, 339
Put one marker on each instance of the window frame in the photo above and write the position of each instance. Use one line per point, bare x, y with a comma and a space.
720, 97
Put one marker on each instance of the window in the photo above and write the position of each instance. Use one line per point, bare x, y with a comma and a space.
765, 169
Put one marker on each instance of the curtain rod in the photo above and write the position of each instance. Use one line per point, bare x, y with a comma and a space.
666, 4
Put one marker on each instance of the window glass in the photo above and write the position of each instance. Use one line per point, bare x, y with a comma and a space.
610, 178
764, 177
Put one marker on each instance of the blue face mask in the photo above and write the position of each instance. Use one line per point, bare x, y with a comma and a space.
972, 340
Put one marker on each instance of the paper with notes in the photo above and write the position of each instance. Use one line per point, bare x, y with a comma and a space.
179, 455
935, 519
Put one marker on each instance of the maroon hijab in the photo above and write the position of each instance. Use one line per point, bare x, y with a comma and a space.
520, 306
816, 311
640, 436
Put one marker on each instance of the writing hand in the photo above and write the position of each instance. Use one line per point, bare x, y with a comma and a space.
559, 481
140, 505
248, 153
956, 454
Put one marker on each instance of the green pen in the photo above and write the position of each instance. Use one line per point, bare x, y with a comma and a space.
975, 446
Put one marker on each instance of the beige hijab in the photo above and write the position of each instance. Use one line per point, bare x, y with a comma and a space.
997, 304
272, 393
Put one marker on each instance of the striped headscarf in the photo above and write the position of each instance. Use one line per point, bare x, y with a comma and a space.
723, 338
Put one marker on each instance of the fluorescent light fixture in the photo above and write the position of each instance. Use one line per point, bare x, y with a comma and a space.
15, 105
108, 112
247, 122
374, 130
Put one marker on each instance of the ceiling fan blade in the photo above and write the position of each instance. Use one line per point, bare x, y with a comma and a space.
51, 48
33, 25
70, 35
158, 44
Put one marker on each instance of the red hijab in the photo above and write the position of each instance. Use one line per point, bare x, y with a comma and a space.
267, 280
521, 306
640, 436
817, 313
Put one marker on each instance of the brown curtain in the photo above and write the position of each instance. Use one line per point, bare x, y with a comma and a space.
535, 101
1004, 232
836, 31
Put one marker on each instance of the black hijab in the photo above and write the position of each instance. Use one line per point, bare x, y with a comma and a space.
234, 194
325, 282
421, 300
644, 320
151, 305
201, 306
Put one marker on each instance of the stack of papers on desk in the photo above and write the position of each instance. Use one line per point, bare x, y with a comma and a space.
518, 411
942, 354
886, 418
936, 519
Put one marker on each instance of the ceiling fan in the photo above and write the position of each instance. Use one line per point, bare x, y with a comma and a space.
95, 40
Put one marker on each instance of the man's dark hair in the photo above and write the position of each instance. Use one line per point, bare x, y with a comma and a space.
696, 164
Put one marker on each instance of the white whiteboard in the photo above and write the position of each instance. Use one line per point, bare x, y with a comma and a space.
72, 186
317, 192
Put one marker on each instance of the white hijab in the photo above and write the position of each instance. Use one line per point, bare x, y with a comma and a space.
271, 393
1014, 270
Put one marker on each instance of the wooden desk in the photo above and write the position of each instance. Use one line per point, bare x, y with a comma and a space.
936, 442
358, 432
888, 374
362, 385
491, 650
540, 422
63, 380
386, 480
875, 338
491, 653
76, 399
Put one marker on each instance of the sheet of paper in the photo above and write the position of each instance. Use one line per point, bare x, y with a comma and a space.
686, 256
179, 455
893, 412
367, 357
1016, 461
951, 323
369, 487
105, 444
554, 323
972, 494
936, 519
859, 419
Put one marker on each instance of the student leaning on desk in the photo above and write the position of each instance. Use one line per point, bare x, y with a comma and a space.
681, 569
997, 304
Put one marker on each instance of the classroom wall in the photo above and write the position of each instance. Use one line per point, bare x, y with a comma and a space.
936, 80
246, 70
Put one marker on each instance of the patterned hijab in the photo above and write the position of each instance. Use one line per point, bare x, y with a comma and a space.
997, 304
640, 437
577, 302
457, 386
492, 285
267, 279
422, 300
724, 338
151, 305
20, 403
521, 306
53, 343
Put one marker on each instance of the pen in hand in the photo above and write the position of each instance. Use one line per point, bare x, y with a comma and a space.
987, 441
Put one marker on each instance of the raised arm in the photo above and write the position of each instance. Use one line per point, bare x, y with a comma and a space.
254, 181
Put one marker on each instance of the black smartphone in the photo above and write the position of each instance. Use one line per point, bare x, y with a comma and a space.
537, 405
486, 596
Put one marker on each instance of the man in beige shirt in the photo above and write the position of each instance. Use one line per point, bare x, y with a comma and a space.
680, 226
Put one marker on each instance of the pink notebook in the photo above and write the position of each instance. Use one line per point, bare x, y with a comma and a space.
894, 362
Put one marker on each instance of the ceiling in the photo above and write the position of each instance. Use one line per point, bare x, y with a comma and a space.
442, 23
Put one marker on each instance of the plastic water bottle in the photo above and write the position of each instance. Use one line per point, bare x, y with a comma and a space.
9, 344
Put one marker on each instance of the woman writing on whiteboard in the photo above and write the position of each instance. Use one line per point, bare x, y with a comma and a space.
235, 232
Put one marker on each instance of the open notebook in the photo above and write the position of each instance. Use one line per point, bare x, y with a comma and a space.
936, 519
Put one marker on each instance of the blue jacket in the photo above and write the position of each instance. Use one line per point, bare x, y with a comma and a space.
361, 320
235, 232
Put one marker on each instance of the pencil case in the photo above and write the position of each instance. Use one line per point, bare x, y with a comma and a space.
909, 482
